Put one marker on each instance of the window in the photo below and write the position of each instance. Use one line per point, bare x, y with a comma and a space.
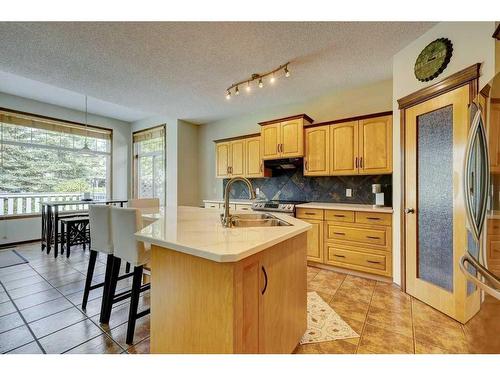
149, 163
41, 159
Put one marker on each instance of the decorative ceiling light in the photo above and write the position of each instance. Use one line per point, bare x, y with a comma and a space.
259, 78
85, 150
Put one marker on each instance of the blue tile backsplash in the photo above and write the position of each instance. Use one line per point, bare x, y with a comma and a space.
292, 185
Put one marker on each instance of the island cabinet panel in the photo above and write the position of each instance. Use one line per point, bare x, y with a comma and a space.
256, 305
375, 145
315, 241
344, 148
317, 143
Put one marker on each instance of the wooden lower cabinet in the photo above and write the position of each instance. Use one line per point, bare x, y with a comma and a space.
256, 305
349, 239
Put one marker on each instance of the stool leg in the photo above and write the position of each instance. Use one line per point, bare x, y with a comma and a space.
134, 303
127, 267
63, 236
107, 278
90, 275
115, 271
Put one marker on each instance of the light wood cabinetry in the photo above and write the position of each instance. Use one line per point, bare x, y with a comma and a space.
240, 157
355, 240
493, 246
257, 305
284, 138
494, 136
375, 145
354, 147
316, 160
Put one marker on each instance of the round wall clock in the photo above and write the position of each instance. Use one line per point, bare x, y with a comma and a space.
433, 59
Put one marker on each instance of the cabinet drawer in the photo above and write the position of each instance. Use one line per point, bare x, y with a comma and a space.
361, 235
344, 257
244, 207
212, 205
493, 248
309, 213
373, 218
337, 215
493, 226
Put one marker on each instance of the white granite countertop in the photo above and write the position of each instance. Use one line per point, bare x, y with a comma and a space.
231, 201
345, 206
199, 232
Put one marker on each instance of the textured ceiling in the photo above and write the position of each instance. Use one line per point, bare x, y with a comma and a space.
181, 69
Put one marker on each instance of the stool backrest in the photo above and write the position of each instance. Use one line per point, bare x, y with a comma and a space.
100, 228
146, 205
124, 223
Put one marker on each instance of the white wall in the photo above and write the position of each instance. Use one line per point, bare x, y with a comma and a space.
27, 229
472, 43
372, 98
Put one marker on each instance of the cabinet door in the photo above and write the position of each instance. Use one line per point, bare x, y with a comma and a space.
494, 137
254, 165
344, 148
283, 296
237, 165
223, 159
292, 138
315, 241
317, 158
375, 145
271, 138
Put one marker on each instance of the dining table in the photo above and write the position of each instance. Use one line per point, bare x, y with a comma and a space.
51, 215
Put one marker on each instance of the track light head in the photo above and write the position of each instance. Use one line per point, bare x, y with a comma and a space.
261, 84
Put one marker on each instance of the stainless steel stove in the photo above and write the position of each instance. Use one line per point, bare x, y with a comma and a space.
286, 207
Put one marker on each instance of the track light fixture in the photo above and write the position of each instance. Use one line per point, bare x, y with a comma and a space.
259, 78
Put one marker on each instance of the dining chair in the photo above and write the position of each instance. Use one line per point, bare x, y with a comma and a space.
124, 223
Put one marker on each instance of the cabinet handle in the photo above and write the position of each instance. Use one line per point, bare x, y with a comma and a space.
361, 162
373, 237
265, 280
261, 167
339, 256
356, 161
305, 165
278, 148
281, 147
373, 261
339, 215
309, 213
339, 233
373, 218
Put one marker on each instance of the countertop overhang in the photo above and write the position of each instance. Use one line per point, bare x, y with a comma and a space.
199, 232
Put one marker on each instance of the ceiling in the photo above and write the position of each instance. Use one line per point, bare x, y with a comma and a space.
131, 71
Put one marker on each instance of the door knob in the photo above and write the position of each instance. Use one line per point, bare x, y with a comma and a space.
409, 211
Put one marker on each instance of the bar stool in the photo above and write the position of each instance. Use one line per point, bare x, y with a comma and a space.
124, 223
74, 231
100, 242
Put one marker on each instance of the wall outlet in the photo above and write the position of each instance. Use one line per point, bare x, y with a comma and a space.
348, 193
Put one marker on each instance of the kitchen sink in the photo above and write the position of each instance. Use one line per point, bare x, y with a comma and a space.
257, 220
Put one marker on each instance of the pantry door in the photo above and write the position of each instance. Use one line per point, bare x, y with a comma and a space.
435, 218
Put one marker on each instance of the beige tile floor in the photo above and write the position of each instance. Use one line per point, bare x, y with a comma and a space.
40, 312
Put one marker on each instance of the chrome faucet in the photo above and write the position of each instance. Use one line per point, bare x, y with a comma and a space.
225, 217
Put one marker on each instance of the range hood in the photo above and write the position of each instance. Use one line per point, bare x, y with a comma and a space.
284, 164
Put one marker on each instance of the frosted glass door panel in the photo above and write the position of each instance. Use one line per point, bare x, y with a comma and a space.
435, 197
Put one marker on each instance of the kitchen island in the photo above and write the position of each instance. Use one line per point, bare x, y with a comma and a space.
225, 290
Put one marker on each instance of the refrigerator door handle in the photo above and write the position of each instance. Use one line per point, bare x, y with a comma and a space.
491, 284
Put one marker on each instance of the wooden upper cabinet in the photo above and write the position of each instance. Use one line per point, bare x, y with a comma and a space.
284, 138
254, 163
222, 159
494, 137
344, 148
317, 159
292, 138
271, 139
237, 165
375, 145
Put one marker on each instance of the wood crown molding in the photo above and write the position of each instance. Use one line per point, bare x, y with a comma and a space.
348, 119
302, 115
237, 137
447, 84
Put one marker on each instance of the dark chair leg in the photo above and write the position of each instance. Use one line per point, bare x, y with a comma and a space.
63, 237
90, 275
134, 303
127, 267
107, 279
110, 295
68, 239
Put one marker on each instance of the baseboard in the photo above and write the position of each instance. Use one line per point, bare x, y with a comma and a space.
10, 244
352, 272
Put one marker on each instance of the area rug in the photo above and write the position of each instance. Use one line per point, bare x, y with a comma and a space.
323, 323
9, 257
